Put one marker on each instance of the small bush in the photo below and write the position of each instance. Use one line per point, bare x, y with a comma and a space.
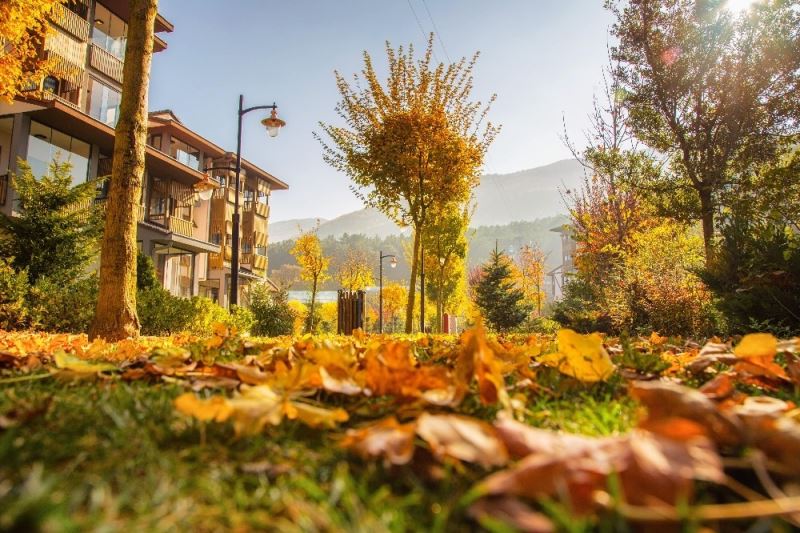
161, 313
272, 314
14, 288
64, 308
241, 318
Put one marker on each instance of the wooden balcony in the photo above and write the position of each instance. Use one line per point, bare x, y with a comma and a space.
226, 193
70, 22
180, 226
173, 224
106, 63
67, 56
259, 262
215, 262
246, 259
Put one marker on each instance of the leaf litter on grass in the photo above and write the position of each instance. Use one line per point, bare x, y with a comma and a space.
414, 400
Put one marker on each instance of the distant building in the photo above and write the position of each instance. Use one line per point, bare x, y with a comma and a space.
556, 278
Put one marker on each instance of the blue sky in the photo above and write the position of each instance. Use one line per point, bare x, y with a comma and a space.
543, 58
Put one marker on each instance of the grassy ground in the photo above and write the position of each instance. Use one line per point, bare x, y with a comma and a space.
113, 456
104, 454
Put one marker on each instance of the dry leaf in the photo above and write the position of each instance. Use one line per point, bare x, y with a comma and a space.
463, 438
387, 438
581, 356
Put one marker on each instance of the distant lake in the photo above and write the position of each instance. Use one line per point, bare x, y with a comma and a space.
322, 296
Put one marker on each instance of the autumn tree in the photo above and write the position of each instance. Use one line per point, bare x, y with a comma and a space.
610, 205
115, 317
716, 92
412, 143
355, 272
445, 244
23, 29
314, 264
530, 273
501, 302
394, 298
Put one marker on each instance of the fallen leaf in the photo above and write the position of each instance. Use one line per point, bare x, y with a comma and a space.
463, 438
757, 345
387, 438
512, 512
215, 408
65, 361
581, 356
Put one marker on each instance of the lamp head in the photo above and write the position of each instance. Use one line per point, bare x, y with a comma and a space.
273, 123
393, 262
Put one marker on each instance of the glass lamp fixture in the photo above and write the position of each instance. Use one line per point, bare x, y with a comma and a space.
273, 123
393, 262
205, 189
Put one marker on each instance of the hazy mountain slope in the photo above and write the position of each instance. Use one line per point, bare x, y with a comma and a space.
526, 195
502, 198
290, 229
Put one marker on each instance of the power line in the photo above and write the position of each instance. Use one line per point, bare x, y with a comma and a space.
421, 29
437, 32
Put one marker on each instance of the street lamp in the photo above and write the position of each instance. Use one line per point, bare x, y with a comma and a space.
273, 125
393, 264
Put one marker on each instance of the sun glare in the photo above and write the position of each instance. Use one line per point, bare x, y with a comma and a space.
739, 5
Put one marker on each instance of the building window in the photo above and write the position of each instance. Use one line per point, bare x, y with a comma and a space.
185, 153
46, 144
261, 250
50, 84
104, 103
109, 32
154, 140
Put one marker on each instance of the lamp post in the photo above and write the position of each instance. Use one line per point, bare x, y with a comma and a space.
393, 264
273, 125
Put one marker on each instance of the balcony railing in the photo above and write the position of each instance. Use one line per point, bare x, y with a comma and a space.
173, 224
259, 262
70, 22
106, 63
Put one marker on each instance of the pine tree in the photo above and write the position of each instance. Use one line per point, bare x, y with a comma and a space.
56, 231
501, 303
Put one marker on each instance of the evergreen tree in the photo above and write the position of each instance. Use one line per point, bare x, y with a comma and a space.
56, 230
502, 304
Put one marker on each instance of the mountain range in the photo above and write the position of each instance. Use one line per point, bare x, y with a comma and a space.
501, 199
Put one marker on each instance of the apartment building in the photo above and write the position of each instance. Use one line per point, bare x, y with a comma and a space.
72, 116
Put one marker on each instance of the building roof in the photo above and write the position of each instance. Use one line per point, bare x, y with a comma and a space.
166, 119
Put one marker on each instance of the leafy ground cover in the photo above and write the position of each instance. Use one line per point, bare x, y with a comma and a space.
387, 433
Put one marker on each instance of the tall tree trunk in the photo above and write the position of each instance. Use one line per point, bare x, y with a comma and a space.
313, 304
440, 303
412, 283
115, 315
707, 218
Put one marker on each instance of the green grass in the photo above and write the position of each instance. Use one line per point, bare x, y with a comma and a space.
115, 456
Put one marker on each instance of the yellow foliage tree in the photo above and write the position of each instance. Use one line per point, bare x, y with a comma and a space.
355, 272
23, 29
394, 298
530, 275
413, 144
307, 252
656, 285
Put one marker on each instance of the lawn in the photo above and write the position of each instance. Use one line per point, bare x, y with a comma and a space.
169, 434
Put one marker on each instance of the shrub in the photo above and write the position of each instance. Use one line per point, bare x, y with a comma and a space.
241, 318
581, 309
272, 312
161, 313
204, 314
755, 276
14, 288
64, 308
146, 277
